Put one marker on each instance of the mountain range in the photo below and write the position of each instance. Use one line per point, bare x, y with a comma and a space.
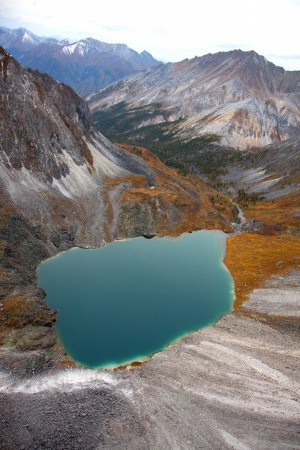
63, 184
87, 65
238, 99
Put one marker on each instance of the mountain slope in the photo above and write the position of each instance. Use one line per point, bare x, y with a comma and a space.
51, 153
87, 65
68, 189
63, 184
239, 98
21, 40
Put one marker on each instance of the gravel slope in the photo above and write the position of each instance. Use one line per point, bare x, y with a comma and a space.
234, 385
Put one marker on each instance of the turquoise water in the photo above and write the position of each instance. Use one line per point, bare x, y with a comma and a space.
132, 298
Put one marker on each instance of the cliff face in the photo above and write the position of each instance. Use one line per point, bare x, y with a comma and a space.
240, 97
52, 161
63, 184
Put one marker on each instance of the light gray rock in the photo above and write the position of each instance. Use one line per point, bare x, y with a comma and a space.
239, 96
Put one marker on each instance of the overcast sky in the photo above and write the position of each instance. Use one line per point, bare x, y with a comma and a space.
169, 29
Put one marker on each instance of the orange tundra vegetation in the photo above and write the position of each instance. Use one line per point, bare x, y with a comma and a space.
191, 197
284, 210
254, 258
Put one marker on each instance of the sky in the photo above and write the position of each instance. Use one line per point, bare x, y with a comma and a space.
170, 30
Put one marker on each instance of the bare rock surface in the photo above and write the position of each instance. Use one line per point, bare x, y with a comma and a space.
280, 297
240, 97
53, 164
272, 171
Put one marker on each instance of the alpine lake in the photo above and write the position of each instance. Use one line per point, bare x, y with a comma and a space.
132, 298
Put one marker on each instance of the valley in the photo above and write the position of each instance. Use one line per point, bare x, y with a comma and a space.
63, 185
234, 384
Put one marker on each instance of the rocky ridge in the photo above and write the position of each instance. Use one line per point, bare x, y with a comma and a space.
239, 98
87, 65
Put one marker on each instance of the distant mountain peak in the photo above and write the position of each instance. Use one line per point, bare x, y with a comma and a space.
28, 39
78, 47
147, 56
21, 30
88, 65
239, 97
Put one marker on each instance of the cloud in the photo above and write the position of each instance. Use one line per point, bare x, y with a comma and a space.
288, 62
169, 30
230, 46
286, 56
116, 28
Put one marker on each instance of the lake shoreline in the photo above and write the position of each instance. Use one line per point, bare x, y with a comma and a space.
199, 256
256, 359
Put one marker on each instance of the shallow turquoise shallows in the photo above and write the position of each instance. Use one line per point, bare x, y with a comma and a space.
132, 298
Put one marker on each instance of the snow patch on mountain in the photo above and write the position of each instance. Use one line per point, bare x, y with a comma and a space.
28, 39
80, 48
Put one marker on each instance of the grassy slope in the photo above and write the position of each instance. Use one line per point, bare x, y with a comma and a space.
200, 205
254, 258
284, 210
